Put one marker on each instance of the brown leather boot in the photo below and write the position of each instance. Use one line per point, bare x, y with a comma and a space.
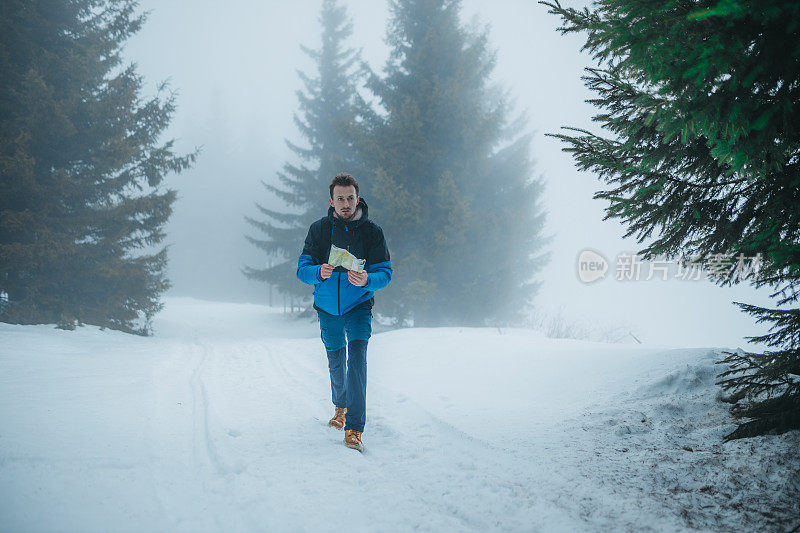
352, 439
338, 419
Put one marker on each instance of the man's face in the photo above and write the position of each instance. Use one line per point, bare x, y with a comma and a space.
344, 200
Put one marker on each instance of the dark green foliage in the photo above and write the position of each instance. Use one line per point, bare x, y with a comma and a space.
327, 121
701, 98
80, 169
451, 184
769, 380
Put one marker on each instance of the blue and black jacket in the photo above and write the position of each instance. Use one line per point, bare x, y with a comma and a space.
362, 238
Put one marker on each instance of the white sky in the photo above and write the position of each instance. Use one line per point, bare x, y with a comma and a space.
234, 70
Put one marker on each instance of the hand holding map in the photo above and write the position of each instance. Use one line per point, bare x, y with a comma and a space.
341, 257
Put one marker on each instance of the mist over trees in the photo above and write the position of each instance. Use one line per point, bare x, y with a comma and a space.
703, 102
80, 169
327, 119
451, 180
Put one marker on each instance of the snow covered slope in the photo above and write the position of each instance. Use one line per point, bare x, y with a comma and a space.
218, 423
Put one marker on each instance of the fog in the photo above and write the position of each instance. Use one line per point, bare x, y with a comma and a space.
234, 72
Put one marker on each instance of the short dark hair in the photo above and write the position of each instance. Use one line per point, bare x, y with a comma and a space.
344, 180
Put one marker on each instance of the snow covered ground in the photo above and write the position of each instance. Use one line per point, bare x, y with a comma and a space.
218, 423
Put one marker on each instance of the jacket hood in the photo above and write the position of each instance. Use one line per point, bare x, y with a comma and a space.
361, 215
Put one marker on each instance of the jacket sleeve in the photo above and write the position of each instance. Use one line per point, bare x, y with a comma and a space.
307, 269
379, 266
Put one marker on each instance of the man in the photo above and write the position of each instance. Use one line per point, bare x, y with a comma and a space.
343, 298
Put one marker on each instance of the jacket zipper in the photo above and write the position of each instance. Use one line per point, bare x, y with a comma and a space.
339, 280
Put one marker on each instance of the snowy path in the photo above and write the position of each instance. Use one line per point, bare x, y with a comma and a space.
219, 424
259, 441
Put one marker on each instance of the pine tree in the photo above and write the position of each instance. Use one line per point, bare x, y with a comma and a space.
452, 182
328, 122
702, 100
80, 169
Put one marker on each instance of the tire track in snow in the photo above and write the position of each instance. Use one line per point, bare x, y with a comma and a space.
200, 410
206, 479
197, 401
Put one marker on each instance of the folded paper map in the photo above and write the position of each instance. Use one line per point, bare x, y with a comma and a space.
341, 257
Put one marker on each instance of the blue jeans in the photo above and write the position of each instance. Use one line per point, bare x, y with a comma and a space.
348, 386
